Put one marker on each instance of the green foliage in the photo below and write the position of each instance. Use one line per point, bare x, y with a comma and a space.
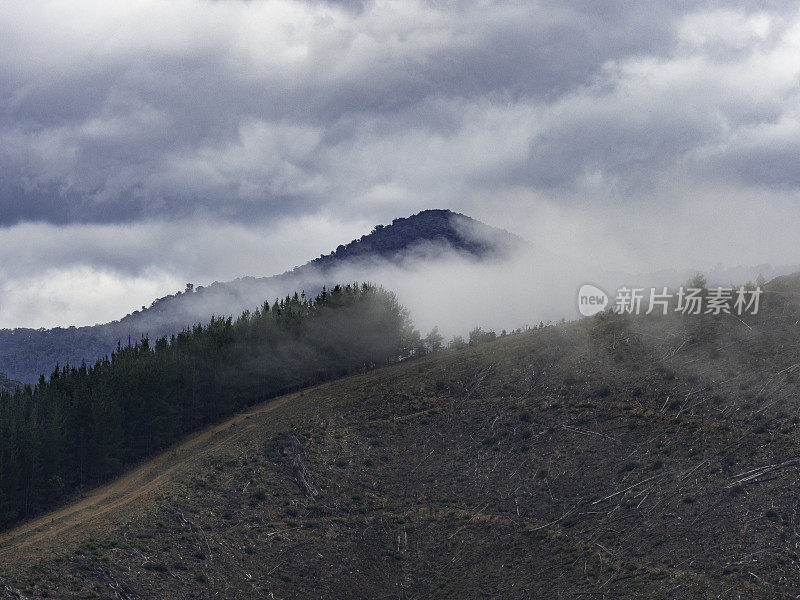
86, 424
479, 336
8, 385
412, 340
698, 281
433, 341
457, 343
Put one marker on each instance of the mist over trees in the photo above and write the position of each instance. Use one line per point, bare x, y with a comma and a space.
432, 234
86, 423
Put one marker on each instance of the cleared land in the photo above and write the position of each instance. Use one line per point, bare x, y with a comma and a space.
646, 458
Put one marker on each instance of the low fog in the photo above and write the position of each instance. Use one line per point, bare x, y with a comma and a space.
440, 287
457, 293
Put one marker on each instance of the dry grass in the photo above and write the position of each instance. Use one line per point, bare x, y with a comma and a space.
597, 459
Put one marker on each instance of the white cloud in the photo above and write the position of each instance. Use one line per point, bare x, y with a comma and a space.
229, 138
78, 294
84, 274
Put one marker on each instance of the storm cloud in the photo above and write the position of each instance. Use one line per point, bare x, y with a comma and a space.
643, 134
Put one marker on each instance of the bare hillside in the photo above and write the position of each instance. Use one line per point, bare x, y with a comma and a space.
612, 457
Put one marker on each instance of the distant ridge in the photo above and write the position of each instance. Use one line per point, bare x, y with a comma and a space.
25, 353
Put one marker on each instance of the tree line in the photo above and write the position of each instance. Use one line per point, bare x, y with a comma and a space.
86, 424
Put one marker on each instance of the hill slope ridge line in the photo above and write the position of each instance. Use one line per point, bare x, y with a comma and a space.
139, 483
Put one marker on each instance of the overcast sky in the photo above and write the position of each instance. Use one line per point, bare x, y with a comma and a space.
147, 144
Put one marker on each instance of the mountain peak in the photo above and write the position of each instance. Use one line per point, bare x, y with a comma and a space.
427, 235
427, 229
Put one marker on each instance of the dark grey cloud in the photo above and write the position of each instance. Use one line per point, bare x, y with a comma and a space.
141, 121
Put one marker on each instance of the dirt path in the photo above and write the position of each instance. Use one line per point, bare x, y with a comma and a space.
140, 483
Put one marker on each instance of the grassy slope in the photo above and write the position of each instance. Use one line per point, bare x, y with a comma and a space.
596, 459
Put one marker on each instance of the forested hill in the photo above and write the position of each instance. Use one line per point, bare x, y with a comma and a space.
8, 385
27, 353
423, 232
619, 456
87, 423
